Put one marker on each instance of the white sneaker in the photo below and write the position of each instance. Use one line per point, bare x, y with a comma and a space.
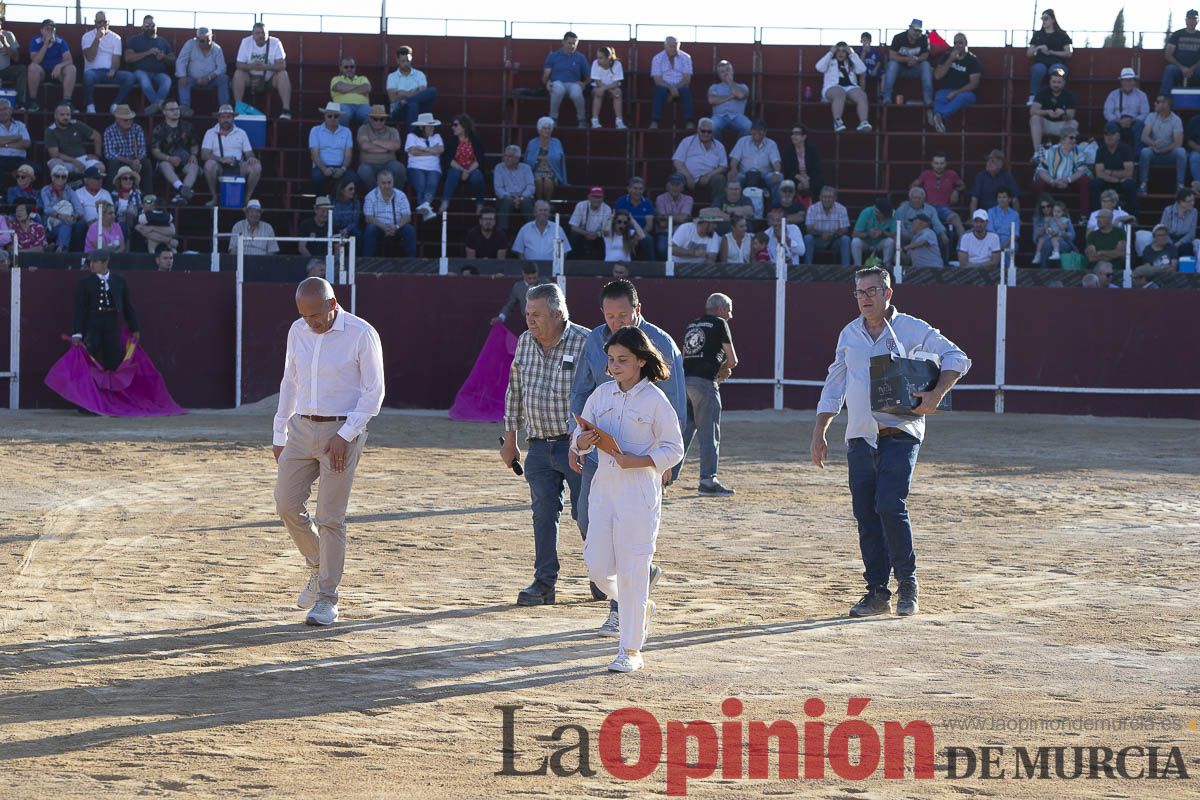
838, 126
323, 613
423, 208
595, 122
308, 595
627, 662
612, 625
864, 126
91, 108
620, 124
655, 573
1029, 102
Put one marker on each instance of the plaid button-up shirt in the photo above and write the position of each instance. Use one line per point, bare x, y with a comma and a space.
121, 144
539, 383
817, 220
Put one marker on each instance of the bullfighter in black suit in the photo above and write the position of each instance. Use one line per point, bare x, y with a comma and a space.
100, 300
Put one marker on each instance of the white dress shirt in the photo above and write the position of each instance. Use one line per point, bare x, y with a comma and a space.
849, 378
338, 373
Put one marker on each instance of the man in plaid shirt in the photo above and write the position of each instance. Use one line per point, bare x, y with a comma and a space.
125, 145
538, 399
828, 227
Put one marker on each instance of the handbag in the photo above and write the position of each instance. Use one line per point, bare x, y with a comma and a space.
1072, 260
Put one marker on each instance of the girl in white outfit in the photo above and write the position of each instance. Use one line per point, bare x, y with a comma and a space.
626, 496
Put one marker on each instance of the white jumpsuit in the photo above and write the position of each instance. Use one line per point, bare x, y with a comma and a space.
625, 504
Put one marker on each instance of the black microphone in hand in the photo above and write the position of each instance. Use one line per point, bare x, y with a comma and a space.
516, 463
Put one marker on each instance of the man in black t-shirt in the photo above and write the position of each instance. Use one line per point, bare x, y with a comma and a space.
959, 73
1053, 108
1114, 169
485, 240
708, 359
1182, 55
909, 56
314, 229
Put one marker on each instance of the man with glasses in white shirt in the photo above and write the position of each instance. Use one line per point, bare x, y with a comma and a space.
882, 448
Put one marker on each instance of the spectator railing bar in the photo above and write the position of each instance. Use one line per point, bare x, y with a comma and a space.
556, 267
1127, 278
670, 247
13, 373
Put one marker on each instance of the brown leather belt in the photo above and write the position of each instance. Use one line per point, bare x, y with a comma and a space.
316, 418
889, 431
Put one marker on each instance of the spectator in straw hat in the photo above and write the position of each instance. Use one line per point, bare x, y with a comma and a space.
378, 147
332, 146
226, 149
697, 242
125, 144
1127, 107
424, 146
258, 237
24, 189
351, 91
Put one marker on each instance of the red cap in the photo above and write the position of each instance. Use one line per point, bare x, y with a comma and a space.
596, 190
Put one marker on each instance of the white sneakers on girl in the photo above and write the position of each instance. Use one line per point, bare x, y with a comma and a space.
630, 661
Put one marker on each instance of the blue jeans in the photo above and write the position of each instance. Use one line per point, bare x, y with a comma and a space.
739, 123
408, 110
356, 113
155, 85
704, 418
1194, 161
1037, 74
1172, 76
840, 243
879, 482
661, 94
894, 71
454, 176
424, 183
1065, 245
123, 80
590, 465
546, 469
406, 234
220, 83
324, 184
948, 108
1177, 157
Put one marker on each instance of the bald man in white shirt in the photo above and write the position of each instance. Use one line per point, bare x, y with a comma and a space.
332, 386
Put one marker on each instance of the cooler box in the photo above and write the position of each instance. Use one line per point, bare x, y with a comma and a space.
10, 95
1185, 98
1187, 264
233, 191
255, 126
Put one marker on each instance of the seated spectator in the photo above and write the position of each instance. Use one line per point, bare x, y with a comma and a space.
728, 100
979, 247
735, 245
486, 240
164, 258
793, 209
941, 187
258, 237
24, 188
642, 210
1103, 272
104, 232
802, 166
101, 64
379, 148
152, 59
125, 144
620, 271
1181, 54
1052, 112
91, 194
1049, 47
793, 240
734, 202
1053, 235
987, 183
544, 155
758, 249
347, 211
607, 75
1003, 220
702, 161
672, 208
622, 236
175, 148
1163, 140
465, 163
62, 211
588, 221
1127, 108
315, 230
154, 227
959, 74
49, 57
915, 205
1160, 252
1064, 166
828, 225
387, 216
331, 146
843, 70
408, 90
671, 71
6, 235
923, 248
1179, 219
201, 65
14, 141
315, 268
262, 64
1108, 202
352, 91
1107, 242
1144, 277
873, 58
515, 305
127, 198
697, 242
28, 232
909, 57
226, 150
535, 241
565, 74
755, 161
512, 180
424, 147
1114, 167
66, 143
1193, 146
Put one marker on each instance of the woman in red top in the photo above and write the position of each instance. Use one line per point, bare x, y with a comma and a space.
31, 236
465, 155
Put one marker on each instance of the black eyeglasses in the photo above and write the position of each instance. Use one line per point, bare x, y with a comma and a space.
871, 292
706, 130
349, 66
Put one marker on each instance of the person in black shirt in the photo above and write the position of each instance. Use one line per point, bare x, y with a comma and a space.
1114, 169
316, 228
959, 73
1053, 109
708, 359
1181, 55
100, 299
909, 56
1049, 47
485, 240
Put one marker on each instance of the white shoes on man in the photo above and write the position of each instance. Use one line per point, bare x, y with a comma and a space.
323, 613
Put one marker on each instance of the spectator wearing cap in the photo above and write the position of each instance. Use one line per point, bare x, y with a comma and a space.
201, 65
1064, 166
755, 161
512, 180
125, 145
794, 248
1163, 140
388, 216
408, 90
986, 183
1181, 55
1114, 167
258, 237
793, 209
564, 74
909, 57
672, 209
62, 211
1003, 220
24, 188
464, 162
49, 57
979, 247
802, 165
14, 141
91, 194
1052, 111
641, 210
842, 70
378, 146
728, 100
261, 64
923, 248
734, 203
29, 234
942, 186
1127, 107
1049, 47
152, 59
702, 161
828, 225
154, 227
535, 240
697, 242
102, 62
351, 91
908, 211
587, 225
315, 229
545, 156
175, 149
226, 150
486, 240
66, 142
959, 75
331, 146
671, 70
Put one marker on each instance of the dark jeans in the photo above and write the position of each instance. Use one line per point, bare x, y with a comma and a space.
374, 234
408, 110
879, 482
590, 465
474, 179
662, 94
103, 339
546, 469
704, 418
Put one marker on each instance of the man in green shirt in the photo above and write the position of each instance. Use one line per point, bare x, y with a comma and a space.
874, 234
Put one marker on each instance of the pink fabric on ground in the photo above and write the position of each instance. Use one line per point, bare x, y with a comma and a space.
134, 389
481, 398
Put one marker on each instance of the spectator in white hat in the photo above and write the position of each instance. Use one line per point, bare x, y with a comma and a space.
331, 146
979, 247
1127, 106
258, 236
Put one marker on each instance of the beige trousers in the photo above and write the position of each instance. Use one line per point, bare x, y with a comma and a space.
321, 538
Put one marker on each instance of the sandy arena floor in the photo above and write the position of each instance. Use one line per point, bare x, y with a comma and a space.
149, 645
